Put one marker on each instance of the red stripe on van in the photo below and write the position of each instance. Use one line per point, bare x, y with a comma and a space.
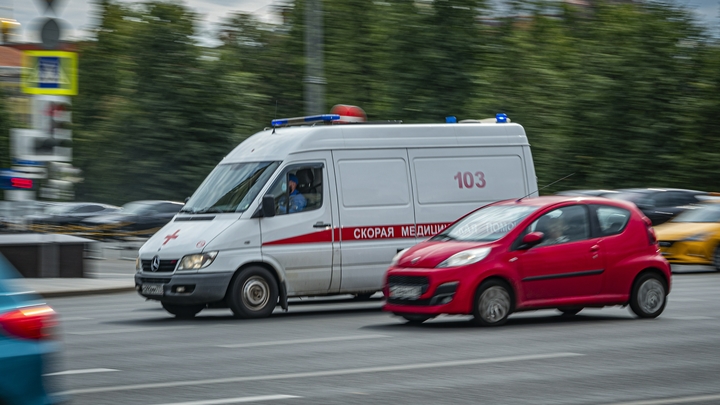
315, 237
392, 231
365, 233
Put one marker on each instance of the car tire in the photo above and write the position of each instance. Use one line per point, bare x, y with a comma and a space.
493, 303
415, 319
183, 311
569, 311
649, 296
716, 258
253, 293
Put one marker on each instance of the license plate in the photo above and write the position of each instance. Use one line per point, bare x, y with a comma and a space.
152, 289
410, 292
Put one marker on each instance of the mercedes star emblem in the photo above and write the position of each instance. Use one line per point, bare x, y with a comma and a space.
155, 265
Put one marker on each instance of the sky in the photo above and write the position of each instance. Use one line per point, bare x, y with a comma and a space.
80, 14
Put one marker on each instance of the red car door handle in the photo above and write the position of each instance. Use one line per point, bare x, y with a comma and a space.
595, 248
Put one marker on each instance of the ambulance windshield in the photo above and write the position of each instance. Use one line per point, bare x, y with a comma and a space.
487, 224
230, 188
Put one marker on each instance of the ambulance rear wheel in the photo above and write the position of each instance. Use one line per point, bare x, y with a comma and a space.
253, 293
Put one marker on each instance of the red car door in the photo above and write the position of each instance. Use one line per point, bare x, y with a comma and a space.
567, 263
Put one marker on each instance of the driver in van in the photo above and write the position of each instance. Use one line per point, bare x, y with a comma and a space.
297, 200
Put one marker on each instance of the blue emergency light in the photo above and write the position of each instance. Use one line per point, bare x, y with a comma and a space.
501, 118
303, 120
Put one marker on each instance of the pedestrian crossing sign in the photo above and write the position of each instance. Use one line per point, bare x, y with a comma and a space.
50, 72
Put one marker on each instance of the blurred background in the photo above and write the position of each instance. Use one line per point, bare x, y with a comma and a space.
113, 112
151, 95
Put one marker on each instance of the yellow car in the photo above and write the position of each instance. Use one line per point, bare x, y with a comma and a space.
692, 237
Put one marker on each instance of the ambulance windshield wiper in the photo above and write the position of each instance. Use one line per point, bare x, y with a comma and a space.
209, 210
201, 211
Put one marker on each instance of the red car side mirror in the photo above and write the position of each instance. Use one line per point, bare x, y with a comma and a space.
532, 239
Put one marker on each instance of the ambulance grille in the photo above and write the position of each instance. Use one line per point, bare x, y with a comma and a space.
166, 266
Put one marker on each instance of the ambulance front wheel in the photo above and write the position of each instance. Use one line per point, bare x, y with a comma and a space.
253, 293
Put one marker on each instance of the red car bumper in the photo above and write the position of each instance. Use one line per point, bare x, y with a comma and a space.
441, 291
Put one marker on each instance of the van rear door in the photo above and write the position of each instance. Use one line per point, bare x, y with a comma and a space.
376, 213
450, 182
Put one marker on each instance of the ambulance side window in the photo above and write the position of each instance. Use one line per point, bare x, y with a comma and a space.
298, 189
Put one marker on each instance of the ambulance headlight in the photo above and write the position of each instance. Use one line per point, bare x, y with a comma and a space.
466, 257
198, 261
397, 257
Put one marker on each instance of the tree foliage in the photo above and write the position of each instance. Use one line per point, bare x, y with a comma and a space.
4, 130
621, 94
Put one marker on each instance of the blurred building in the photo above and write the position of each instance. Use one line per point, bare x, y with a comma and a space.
10, 68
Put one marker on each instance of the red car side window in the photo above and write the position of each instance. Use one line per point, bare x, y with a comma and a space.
562, 225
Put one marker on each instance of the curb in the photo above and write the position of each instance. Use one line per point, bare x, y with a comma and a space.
78, 293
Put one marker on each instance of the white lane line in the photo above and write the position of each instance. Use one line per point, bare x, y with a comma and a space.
326, 373
73, 318
690, 318
129, 330
84, 371
235, 400
672, 401
299, 341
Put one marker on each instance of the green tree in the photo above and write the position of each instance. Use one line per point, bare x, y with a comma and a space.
174, 111
4, 131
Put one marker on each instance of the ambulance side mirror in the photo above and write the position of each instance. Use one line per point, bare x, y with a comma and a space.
268, 206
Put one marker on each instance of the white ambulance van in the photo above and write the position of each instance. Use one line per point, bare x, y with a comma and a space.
322, 208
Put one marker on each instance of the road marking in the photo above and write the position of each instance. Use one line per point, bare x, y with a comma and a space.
235, 400
129, 330
299, 341
672, 401
326, 373
690, 318
85, 371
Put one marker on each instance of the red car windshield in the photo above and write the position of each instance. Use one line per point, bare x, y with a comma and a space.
487, 224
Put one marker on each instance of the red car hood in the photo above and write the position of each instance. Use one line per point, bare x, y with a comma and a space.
428, 255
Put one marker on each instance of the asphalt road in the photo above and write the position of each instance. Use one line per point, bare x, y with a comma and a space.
120, 349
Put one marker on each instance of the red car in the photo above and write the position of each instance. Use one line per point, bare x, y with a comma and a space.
547, 252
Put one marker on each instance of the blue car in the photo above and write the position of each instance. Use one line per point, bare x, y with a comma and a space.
28, 348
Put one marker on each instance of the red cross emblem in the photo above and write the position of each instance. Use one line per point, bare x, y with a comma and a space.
173, 236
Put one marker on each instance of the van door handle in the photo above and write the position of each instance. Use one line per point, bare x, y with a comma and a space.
320, 224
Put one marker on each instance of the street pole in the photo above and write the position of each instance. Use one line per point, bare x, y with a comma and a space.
314, 75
